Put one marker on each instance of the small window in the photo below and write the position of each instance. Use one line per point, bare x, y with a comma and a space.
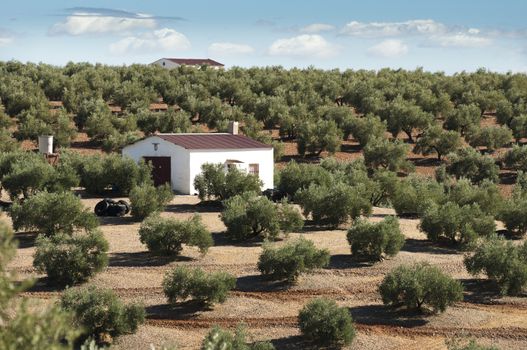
254, 169
163, 63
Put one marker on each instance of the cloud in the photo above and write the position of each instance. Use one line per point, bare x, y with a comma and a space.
6, 37
80, 23
461, 40
102, 11
390, 48
317, 28
230, 49
162, 40
303, 45
431, 32
385, 29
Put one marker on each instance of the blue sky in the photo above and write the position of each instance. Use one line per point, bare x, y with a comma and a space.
441, 35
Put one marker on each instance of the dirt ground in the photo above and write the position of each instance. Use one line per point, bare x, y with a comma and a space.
269, 310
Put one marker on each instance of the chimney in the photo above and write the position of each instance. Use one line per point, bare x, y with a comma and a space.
233, 128
45, 144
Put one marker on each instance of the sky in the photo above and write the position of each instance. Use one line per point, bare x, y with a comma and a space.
438, 35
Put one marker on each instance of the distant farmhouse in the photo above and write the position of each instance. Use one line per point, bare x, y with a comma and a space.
177, 158
170, 63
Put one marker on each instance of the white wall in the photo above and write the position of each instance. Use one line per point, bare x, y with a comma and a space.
167, 63
263, 157
179, 159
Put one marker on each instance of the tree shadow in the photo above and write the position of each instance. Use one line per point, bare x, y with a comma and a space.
480, 291
345, 261
424, 246
425, 162
221, 239
142, 259
384, 315
294, 342
351, 148
507, 178
201, 207
181, 311
26, 239
42, 284
115, 220
259, 283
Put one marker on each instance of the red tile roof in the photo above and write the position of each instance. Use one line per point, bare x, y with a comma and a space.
212, 141
195, 61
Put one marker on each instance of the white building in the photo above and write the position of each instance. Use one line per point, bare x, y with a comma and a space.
170, 63
177, 158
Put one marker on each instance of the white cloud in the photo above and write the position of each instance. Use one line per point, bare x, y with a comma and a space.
230, 49
317, 28
390, 48
303, 45
384, 29
461, 40
6, 37
80, 23
163, 39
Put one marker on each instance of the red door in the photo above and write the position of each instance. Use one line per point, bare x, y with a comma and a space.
161, 169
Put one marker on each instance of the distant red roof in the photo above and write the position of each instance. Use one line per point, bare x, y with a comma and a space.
212, 141
195, 61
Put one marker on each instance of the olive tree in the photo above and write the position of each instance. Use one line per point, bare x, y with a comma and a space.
415, 194
458, 224
295, 176
502, 262
147, 199
334, 205
289, 261
469, 163
315, 137
166, 236
514, 213
436, 140
249, 215
216, 182
491, 137
52, 213
323, 322
516, 158
383, 153
366, 128
418, 285
373, 241
462, 117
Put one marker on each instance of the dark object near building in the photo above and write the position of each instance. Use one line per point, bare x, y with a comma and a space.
275, 195
109, 207
5, 206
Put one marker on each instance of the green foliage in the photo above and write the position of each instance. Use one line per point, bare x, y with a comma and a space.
97, 173
295, 176
518, 126
249, 215
491, 137
323, 322
100, 312
146, 199
516, 158
373, 241
403, 115
383, 153
215, 182
7, 142
220, 339
71, 260
289, 261
25, 325
165, 236
470, 345
438, 141
514, 214
502, 262
315, 137
418, 285
459, 224
469, 163
415, 194
207, 288
462, 117
487, 195
26, 173
335, 204
366, 128
53, 213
